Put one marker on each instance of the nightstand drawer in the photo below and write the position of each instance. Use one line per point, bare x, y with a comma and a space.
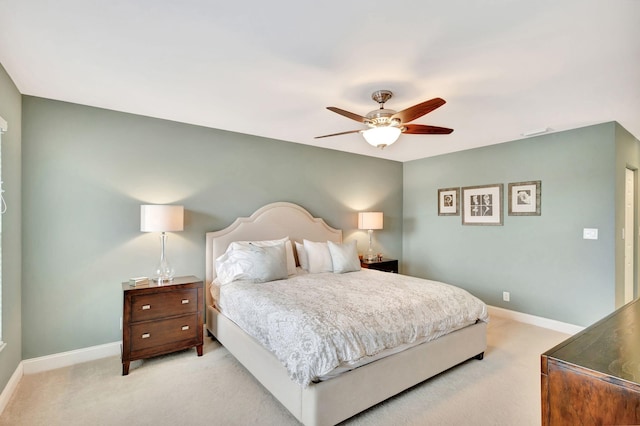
150, 306
158, 333
386, 265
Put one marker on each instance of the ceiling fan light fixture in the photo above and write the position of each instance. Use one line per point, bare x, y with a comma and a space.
381, 136
385, 125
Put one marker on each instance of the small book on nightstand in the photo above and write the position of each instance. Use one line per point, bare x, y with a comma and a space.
138, 281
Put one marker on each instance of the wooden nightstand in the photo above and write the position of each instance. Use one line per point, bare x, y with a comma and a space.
161, 318
386, 265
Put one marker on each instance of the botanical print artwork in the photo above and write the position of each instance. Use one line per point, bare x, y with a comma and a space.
482, 205
524, 198
448, 201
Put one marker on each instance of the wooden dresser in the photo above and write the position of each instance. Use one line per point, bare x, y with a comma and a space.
593, 378
161, 318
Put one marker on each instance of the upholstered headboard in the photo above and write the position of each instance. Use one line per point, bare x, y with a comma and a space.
273, 221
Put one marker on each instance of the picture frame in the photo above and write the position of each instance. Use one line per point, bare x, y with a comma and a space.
525, 198
449, 202
482, 205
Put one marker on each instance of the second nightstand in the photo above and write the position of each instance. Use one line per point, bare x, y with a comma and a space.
386, 265
161, 318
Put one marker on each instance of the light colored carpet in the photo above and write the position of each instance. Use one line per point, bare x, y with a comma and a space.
183, 389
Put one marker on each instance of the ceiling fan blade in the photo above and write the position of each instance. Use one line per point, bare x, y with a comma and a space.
421, 129
338, 134
411, 113
348, 114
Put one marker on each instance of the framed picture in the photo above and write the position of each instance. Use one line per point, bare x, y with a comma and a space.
525, 198
482, 205
449, 202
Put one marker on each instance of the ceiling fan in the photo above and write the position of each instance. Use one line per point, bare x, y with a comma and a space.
385, 125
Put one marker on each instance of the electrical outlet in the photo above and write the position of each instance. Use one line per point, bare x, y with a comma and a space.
506, 296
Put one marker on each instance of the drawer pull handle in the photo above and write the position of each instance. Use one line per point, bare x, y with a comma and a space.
146, 335
145, 307
185, 327
185, 301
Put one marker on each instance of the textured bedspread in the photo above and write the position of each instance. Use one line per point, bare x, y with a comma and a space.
314, 323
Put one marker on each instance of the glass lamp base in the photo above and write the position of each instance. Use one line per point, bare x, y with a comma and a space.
370, 256
164, 272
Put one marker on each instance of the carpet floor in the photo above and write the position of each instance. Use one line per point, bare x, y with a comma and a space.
183, 389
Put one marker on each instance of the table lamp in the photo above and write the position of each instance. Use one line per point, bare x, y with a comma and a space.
370, 221
162, 218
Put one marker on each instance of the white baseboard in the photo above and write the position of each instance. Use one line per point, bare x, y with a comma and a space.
51, 362
65, 359
11, 386
562, 327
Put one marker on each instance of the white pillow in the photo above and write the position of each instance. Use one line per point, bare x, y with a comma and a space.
302, 256
253, 263
291, 261
318, 256
344, 257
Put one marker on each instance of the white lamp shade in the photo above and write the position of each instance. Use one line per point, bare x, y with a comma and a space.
161, 218
370, 220
381, 136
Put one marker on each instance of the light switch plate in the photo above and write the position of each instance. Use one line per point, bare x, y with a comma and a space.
590, 233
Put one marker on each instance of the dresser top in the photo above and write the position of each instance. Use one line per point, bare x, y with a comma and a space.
611, 346
154, 284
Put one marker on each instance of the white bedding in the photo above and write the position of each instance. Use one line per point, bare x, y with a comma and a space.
316, 323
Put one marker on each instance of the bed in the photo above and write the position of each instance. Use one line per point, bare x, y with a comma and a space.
341, 396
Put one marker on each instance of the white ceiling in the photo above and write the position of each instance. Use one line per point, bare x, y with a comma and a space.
505, 67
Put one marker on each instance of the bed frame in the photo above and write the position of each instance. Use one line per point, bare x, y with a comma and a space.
334, 400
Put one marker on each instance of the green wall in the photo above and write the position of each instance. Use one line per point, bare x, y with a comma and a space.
543, 261
87, 170
11, 111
